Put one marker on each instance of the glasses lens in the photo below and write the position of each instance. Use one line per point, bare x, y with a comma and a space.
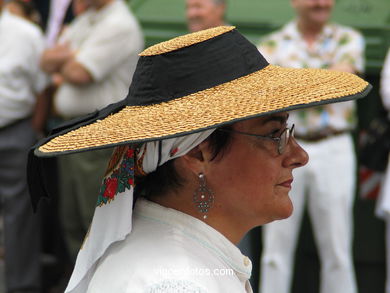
285, 138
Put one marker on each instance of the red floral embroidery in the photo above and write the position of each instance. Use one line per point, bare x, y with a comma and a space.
111, 186
174, 151
120, 175
130, 153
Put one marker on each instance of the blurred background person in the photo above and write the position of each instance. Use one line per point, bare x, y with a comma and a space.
204, 14
24, 9
91, 63
61, 13
79, 6
383, 203
385, 82
328, 181
22, 85
57, 13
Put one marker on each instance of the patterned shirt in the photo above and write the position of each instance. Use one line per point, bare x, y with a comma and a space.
336, 44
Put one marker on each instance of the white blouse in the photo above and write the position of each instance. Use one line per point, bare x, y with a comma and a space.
169, 251
21, 79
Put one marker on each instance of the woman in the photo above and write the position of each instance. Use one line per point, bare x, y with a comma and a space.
203, 136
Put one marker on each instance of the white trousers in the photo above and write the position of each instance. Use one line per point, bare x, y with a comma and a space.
383, 212
387, 245
327, 183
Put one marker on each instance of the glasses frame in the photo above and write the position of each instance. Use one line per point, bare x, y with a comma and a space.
288, 132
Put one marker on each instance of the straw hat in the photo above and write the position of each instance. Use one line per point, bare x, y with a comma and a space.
199, 81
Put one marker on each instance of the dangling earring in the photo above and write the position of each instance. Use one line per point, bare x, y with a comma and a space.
203, 197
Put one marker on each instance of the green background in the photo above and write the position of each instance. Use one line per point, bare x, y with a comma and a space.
164, 19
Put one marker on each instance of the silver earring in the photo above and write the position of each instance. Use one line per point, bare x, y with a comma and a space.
203, 197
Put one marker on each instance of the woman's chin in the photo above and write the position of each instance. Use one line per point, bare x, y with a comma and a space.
285, 212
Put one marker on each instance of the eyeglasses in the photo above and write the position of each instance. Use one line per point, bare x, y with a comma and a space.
282, 140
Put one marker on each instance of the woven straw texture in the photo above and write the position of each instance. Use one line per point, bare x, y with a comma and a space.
270, 89
185, 41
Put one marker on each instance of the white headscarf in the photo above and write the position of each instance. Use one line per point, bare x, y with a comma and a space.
112, 220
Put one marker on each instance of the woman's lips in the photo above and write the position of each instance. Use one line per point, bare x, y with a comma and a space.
287, 183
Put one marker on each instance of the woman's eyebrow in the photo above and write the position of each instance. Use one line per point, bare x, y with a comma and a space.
279, 118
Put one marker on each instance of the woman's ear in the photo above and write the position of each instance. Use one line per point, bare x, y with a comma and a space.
197, 158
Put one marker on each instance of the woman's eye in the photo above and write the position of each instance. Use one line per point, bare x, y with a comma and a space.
275, 133
277, 130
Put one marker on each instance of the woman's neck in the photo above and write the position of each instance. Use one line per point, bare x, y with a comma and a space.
230, 226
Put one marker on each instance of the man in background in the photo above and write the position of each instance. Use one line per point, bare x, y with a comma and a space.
56, 17
204, 14
93, 63
328, 181
22, 84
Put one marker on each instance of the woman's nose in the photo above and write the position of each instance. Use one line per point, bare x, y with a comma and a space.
296, 155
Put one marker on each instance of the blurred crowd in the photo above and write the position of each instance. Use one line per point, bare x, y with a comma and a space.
62, 59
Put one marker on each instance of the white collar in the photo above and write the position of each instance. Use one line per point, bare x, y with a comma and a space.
291, 30
204, 234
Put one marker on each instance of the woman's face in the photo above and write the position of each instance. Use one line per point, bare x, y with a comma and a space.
251, 181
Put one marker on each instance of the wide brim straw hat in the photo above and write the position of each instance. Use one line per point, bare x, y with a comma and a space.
199, 81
